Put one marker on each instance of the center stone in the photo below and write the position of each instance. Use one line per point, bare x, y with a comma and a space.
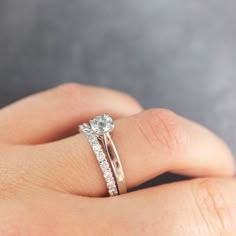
102, 124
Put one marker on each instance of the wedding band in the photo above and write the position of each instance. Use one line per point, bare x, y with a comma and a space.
101, 158
103, 126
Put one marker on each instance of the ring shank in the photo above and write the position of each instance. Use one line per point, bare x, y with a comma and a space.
115, 163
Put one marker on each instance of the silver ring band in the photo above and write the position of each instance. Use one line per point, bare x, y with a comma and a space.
103, 127
101, 158
115, 163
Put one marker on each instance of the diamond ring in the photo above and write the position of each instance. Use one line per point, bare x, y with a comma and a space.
101, 158
102, 127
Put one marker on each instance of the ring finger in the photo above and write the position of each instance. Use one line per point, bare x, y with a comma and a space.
149, 144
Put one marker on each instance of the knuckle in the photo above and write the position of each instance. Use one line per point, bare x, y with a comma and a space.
213, 204
162, 127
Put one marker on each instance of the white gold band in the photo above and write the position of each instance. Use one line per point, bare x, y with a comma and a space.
115, 163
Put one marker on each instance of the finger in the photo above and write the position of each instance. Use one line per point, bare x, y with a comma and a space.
54, 114
197, 207
149, 144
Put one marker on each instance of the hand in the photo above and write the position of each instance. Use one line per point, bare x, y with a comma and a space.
51, 185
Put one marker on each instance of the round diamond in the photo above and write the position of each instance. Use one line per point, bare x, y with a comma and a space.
115, 191
96, 147
86, 128
101, 156
93, 140
104, 166
110, 183
108, 175
102, 124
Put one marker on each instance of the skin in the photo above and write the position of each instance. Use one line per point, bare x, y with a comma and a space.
50, 182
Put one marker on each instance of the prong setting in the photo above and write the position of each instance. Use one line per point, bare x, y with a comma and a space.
102, 124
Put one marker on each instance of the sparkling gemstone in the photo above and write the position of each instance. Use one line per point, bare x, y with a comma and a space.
96, 147
113, 188
102, 124
108, 175
101, 156
93, 140
81, 128
115, 191
104, 166
86, 128
111, 183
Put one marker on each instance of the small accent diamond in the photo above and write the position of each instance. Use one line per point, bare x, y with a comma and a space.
96, 147
101, 156
104, 164
110, 184
108, 175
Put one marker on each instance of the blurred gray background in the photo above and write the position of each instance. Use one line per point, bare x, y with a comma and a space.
174, 54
